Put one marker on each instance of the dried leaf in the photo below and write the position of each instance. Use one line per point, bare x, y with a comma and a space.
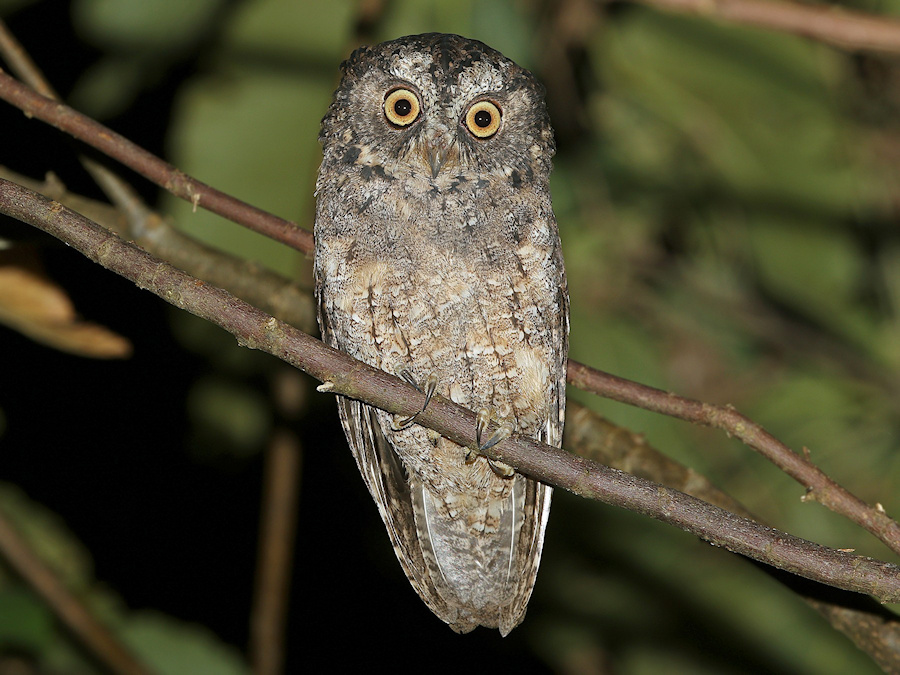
35, 306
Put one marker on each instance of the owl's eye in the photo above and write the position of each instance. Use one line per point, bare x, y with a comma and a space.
401, 107
483, 119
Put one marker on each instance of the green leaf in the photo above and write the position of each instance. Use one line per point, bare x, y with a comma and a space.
142, 24
47, 536
177, 648
25, 622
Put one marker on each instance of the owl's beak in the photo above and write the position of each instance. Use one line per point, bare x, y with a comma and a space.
437, 157
438, 148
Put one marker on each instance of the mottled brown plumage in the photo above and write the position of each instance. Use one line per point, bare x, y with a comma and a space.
437, 254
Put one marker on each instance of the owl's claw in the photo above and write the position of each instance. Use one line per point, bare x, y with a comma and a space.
504, 432
482, 422
407, 377
500, 469
430, 387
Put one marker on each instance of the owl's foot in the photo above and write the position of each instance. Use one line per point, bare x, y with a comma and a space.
430, 387
482, 422
505, 430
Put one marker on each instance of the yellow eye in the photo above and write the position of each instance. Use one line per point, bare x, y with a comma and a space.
483, 119
401, 107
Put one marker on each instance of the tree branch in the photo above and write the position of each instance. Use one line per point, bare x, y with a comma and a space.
846, 29
819, 486
345, 376
871, 627
151, 167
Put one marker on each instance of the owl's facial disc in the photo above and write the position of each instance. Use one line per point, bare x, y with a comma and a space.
439, 142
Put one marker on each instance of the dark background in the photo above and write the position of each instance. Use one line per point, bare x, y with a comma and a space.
655, 225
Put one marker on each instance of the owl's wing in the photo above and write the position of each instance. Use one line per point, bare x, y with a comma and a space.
385, 478
415, 538
536, 508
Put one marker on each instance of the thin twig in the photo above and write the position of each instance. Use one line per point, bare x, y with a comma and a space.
71, 612
151, 167
839, 27
873, 628
819, 486
341, 374
21, 64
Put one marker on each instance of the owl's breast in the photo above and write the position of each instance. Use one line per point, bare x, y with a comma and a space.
479, 314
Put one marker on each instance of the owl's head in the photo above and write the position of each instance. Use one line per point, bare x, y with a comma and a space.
439, 105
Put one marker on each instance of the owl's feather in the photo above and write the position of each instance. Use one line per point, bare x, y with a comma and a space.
437, 253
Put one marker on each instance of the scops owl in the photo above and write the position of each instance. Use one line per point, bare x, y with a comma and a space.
438, 258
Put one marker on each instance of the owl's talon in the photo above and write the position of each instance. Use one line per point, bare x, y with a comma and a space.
430, 387
482, 421
504, 432
500, 469
407, 376
401, 423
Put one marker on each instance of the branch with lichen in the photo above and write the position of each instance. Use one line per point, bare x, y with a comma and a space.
818, 485
343, 375
871, 627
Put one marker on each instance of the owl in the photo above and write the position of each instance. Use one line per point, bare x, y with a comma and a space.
438, 259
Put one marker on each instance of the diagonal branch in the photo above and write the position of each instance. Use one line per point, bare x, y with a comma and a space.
345, 376
818, 485
872, 628
152, 167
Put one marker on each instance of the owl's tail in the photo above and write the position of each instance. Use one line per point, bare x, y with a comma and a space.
483, 557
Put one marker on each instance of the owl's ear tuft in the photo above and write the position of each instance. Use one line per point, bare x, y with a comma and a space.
352, 64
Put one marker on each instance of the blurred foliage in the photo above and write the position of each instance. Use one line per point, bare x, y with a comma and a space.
727, 202
27, 626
